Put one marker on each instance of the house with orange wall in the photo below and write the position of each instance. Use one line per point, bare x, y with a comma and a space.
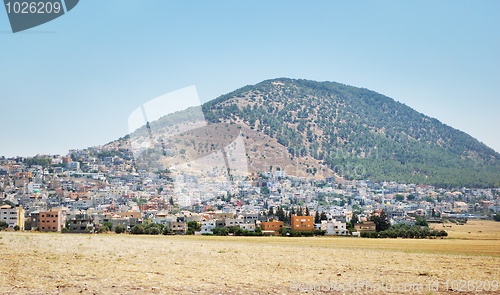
51, 221
302, 223
271, 226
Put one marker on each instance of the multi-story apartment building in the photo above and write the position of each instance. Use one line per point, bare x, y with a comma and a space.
51, 221
274, 226
80, 222
228, 222
333, 227
220, 215
12, 215
207, 226
302, 223
32, 221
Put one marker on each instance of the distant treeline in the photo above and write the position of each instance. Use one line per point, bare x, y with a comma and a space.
405, 231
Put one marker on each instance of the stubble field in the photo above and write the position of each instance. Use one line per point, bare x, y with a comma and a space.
125, 264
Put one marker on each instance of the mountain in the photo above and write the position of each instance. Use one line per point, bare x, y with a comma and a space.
322, 129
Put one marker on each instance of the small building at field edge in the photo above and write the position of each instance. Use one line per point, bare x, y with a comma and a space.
302, 223
274, 226
367, 226
51, 221
12, 215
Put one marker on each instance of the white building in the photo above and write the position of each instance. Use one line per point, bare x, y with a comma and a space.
281, 174
73, 165
33, 186
184, 201
12, 215
248, 226
206, 227
334, 227
165, 220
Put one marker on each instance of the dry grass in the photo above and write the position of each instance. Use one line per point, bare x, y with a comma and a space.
125, 264
473, 229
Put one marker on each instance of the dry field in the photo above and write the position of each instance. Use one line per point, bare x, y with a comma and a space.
473, 229
125, 264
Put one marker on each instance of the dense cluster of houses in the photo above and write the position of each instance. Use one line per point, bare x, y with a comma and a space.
89, 187
57, 220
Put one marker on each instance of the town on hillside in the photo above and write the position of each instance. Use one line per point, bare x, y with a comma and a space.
99, 190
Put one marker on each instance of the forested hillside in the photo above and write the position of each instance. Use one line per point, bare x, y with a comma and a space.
339, 125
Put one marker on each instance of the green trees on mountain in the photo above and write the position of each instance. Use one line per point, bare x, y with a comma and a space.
357, 133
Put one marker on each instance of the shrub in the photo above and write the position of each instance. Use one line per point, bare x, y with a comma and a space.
293, 233
384, 234
235, 230
406, 231
220, 231
167, 230
443, 233
194, 225
137, 230
246, 232
119, 229
320, 232
16, 227
307, 233
3, 225
154, 230
103, 229
421, 221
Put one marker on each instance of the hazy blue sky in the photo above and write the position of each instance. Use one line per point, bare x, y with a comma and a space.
73, 82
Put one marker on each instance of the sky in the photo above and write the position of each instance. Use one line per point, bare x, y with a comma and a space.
73, 82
